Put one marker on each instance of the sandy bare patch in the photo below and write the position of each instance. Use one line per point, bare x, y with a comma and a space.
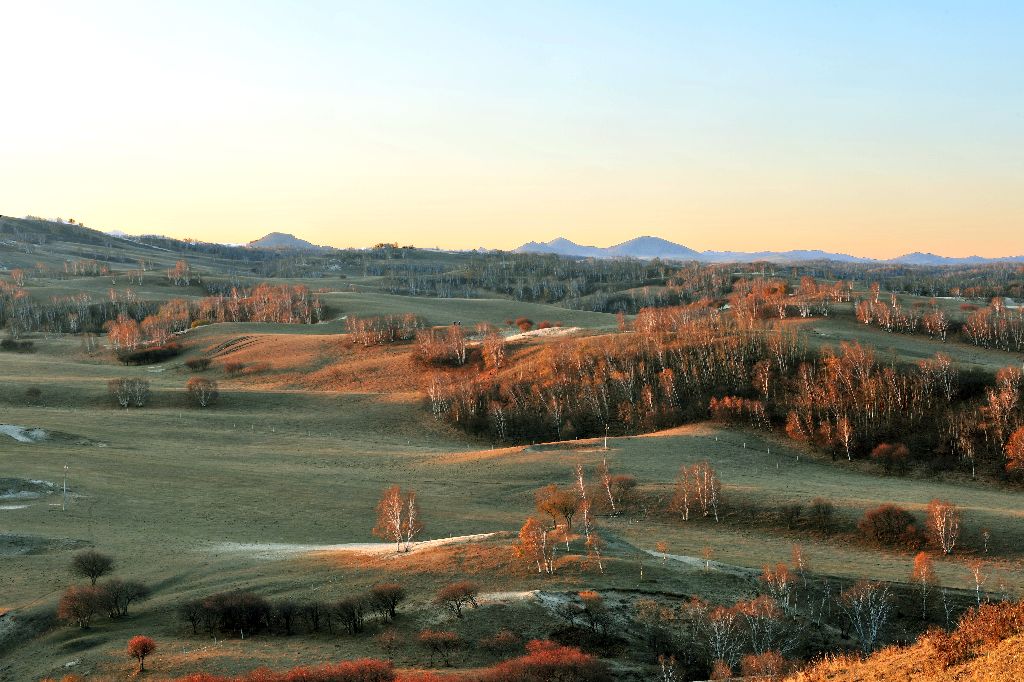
551, 600
23, 434
699, 563
542, 333
258, 550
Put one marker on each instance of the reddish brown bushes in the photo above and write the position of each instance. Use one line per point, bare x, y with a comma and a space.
458, 595
441, 643
545, 660
892, 457
360, 670
891, 526
502, 643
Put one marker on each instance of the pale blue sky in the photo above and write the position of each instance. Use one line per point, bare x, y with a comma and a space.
864, 126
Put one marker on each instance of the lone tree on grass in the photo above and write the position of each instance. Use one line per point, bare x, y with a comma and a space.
458, 595
944, 524
385, 598
91, 564
923, 574
537, 545
202, 392
398, 517
79, 604
139, 647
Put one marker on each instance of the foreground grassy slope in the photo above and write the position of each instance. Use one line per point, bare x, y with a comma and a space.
179, 496
469, 311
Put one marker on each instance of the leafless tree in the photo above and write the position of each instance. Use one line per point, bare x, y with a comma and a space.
91, 564
116, 596
977, 568
203, 392
129, 391
944, 524
867, 605
923, 574
390, 516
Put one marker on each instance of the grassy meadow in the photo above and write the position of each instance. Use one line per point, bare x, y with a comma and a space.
196, 501
262, 491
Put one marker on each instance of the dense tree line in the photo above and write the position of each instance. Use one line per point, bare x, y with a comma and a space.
246, 614
605, 285
687, 363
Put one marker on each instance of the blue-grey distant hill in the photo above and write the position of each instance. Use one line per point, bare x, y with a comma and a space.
647, 248
284, 241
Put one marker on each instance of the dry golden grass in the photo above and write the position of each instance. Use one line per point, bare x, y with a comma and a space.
1003, 662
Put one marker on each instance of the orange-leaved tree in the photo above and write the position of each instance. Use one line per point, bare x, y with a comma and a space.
139, 647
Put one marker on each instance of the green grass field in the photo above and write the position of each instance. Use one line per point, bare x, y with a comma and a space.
172, 492
297, 451
469, 311
831, 331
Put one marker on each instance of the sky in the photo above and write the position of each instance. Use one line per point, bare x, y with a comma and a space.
872, 128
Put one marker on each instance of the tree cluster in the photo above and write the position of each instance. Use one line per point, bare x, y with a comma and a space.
246, 613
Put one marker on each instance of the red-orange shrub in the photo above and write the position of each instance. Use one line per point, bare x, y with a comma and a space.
545, 660
360, 670
891, 526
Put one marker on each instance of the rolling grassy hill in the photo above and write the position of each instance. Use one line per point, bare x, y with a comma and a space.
194, 501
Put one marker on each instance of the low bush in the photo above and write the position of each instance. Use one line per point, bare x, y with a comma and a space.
12, 346
360, 670
893, 458
821, 515
151, 355
891, 526
502, 643
790, 514
458, 595
545, 660
198, 364
441, 643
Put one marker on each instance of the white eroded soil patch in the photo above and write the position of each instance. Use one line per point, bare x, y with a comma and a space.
542, 333
700, 563
22, 489
278, 550
23, 434
550, 600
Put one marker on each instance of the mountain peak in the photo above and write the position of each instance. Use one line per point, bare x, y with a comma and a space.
282, 240
648, 248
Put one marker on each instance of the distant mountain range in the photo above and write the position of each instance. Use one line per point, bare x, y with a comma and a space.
646, 248
283, 240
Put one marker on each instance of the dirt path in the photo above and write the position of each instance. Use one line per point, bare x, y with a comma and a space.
287, 550
697, 562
